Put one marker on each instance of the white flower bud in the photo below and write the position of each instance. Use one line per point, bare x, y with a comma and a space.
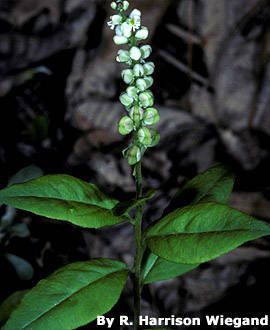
149, 68
138, 70
141, 84
123, 56
146, 51
116, 19
142, 34
125, 125
135, 53
150, 116
132, 91
125, 5
144, 136
127, 76
120, 40
126, 29
149, 82
146, 99
126, 100
114, 5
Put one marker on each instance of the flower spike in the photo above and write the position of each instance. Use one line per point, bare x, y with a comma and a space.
137, 99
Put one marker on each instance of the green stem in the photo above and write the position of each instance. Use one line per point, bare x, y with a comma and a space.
139, 249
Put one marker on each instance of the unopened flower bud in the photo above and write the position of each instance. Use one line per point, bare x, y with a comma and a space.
134, 155
120, 40
127, 76
135, 53
141, 84
123, 56
149, 82
149, 68
132, 91
138, 70
125, 125
116, 19
146, 99
146, 51
114, 5
151, 116
125, 5
144, 136
142, 34
126, 100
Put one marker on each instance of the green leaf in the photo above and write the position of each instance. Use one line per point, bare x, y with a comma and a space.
63, 197
202, 232
10, 304
71, 297
159, 269
124, 207
214, 185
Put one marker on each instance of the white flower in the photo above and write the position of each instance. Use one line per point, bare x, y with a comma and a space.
135, 13
135, 20
115, 20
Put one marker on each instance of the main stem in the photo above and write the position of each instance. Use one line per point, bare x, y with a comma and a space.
139, 248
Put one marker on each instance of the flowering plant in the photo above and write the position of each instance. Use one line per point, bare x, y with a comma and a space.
197, 226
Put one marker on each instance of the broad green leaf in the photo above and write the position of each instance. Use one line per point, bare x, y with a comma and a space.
63, 197
214, 185
71, 297
202, 232
159, 269
10, 304
124, 207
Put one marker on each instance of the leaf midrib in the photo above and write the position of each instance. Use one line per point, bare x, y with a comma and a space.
54, 199
66, 298
207, 232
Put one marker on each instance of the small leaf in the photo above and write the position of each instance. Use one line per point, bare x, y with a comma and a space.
202, 232
214, 185
63, 197
158, 269
10, 304
124, 207
22, 267
71, 297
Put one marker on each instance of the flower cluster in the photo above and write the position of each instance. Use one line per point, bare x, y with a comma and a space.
137, 99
